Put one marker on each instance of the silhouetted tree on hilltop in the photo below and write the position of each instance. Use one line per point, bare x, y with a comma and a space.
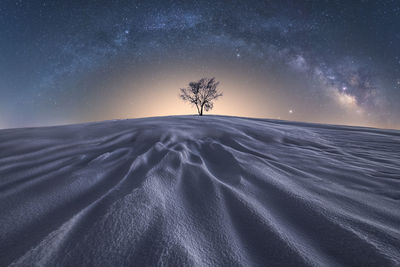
201, 94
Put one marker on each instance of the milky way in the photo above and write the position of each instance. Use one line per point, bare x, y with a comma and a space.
319, 61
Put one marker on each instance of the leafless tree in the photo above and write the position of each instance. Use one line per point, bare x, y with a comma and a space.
201, 94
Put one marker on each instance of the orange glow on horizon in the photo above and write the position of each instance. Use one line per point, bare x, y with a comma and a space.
158, 95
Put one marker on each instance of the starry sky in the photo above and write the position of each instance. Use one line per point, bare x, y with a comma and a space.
335, 62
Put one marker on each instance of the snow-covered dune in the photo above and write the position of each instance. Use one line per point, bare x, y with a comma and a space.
199, 191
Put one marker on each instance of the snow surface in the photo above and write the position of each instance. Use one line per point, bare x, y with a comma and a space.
199, 191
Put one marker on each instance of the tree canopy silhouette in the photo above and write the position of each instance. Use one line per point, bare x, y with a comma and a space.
201, 94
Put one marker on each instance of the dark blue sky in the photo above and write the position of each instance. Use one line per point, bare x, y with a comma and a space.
320, 61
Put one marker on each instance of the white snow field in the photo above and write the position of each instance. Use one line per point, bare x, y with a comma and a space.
199, 191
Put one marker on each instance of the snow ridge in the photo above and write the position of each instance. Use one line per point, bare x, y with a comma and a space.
199, 191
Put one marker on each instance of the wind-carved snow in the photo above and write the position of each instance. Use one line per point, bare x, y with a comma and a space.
199, 191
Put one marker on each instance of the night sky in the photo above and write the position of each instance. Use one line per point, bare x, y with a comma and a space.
334, 62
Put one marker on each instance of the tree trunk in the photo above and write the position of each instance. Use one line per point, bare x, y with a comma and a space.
201, 111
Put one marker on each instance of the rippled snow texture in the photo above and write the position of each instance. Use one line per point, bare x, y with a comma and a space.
199, 191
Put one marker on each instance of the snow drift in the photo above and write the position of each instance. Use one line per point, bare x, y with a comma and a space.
199, 191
